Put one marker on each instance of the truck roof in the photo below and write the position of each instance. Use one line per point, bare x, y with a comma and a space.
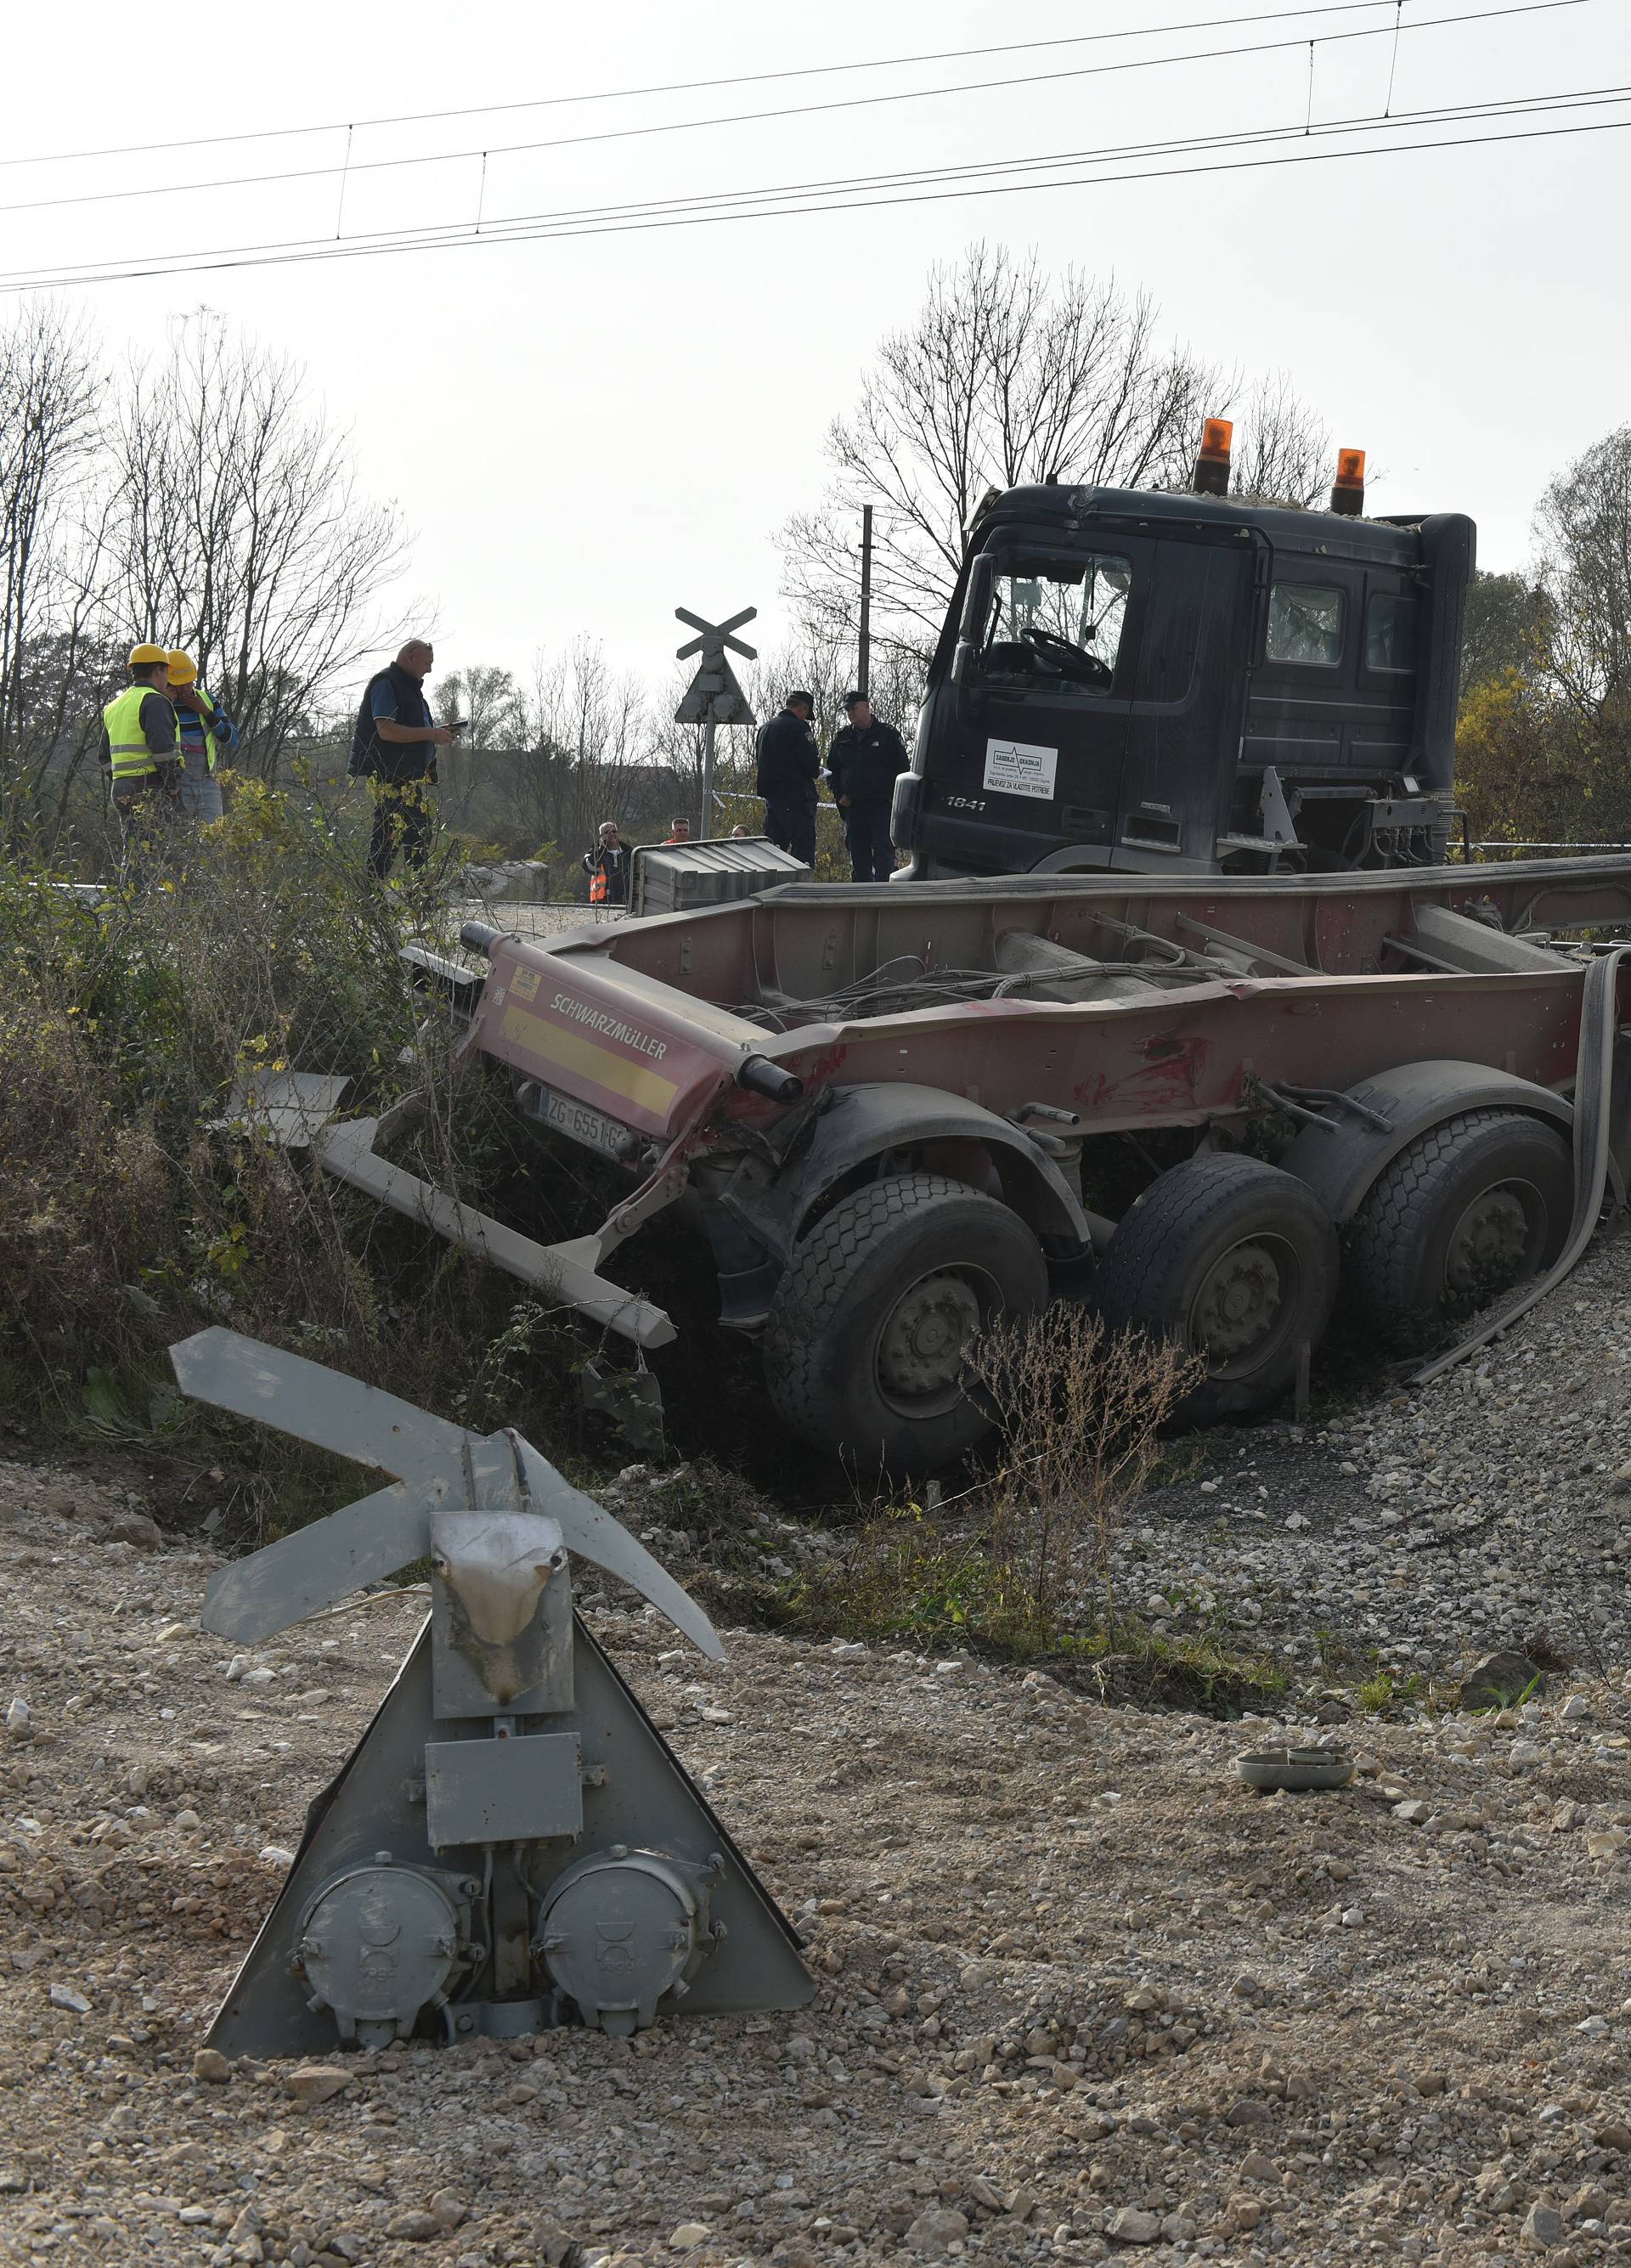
1289, 527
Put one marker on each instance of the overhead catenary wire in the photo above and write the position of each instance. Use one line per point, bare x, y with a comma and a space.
847, 69
703, 201
420, 159
978, 180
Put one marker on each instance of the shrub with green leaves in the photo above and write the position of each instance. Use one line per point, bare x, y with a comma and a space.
129, 1216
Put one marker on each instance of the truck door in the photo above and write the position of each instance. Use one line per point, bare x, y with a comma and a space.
1037, 742
1184, 717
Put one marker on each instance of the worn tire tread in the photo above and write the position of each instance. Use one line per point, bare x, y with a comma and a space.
1150, 1245
816, 1280
1396, 1218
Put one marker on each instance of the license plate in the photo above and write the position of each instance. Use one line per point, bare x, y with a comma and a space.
576, 1120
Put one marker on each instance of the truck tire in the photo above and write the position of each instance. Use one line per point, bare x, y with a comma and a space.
1238, 1260
1471, 1208
863, 1349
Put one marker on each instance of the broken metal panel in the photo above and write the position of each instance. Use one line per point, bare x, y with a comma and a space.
517, 1790
595, 1535
319, 1565
288, 1107
314, 1403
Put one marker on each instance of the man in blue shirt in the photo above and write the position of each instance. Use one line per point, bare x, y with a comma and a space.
393, 746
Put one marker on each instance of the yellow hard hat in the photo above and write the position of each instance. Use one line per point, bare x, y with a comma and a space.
183, 669
145, 657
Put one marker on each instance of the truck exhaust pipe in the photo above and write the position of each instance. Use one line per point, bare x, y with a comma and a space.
1211, 474
1348, 493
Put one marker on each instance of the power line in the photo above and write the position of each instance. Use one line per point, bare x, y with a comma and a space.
716, 204
758, 117
700, 85
458, 235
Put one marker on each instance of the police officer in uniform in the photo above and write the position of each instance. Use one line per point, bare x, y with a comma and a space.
864, 760
141, 751
789, 764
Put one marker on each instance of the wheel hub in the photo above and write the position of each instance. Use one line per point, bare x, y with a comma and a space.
1238, 1303
1489, 1243
921, 1350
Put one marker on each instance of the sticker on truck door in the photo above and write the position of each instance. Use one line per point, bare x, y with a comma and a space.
1021, 768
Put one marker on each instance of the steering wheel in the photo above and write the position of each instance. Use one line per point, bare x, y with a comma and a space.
1068, 660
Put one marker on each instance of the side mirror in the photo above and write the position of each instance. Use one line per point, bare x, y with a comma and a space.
977, 600
976, 614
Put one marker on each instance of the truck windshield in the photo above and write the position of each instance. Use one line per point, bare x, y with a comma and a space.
1057, 622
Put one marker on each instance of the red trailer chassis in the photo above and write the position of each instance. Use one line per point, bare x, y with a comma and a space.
893, 1109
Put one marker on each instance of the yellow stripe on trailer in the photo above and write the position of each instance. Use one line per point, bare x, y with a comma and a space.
614, 1073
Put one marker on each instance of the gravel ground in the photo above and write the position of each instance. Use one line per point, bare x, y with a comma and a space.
519, 917
1081, 1995
1419, 1530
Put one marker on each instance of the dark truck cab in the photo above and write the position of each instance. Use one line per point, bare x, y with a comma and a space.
1182, 682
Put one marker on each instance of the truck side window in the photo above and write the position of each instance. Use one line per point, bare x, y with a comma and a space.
1057, 623
1390, 630
1305, 622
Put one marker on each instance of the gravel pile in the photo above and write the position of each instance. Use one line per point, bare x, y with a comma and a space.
1491, 1509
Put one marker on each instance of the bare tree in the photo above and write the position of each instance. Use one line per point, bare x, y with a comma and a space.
586, 738
1283, 452
241, 533
476, 771
486, 700
1006, 377
51, 627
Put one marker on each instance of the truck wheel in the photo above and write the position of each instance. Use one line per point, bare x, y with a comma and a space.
863, 1352
1237, 1260
1471, 1208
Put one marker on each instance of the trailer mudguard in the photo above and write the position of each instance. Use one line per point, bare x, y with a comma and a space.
1340, 1159
863, 1122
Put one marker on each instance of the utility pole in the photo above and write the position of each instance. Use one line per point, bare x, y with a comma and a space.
863, 659
713, 696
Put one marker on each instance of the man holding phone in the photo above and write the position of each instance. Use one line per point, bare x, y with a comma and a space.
393, 746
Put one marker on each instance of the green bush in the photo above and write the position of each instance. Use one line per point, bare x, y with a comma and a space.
128, 1222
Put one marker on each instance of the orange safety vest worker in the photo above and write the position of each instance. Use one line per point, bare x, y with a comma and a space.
607, 866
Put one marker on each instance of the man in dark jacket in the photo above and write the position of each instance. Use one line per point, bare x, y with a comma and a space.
864, 760
789, 764
393, 746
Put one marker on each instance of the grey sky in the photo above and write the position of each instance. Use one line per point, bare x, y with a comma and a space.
584, 433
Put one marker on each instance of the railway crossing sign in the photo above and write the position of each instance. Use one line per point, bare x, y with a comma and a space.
713, 696
511, 1845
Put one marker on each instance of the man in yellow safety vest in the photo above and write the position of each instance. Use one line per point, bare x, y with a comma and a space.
207, 734
142, 752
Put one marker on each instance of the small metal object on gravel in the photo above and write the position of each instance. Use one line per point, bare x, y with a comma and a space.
1299, 1771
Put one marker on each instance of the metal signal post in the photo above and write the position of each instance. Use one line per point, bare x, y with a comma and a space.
713, 696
